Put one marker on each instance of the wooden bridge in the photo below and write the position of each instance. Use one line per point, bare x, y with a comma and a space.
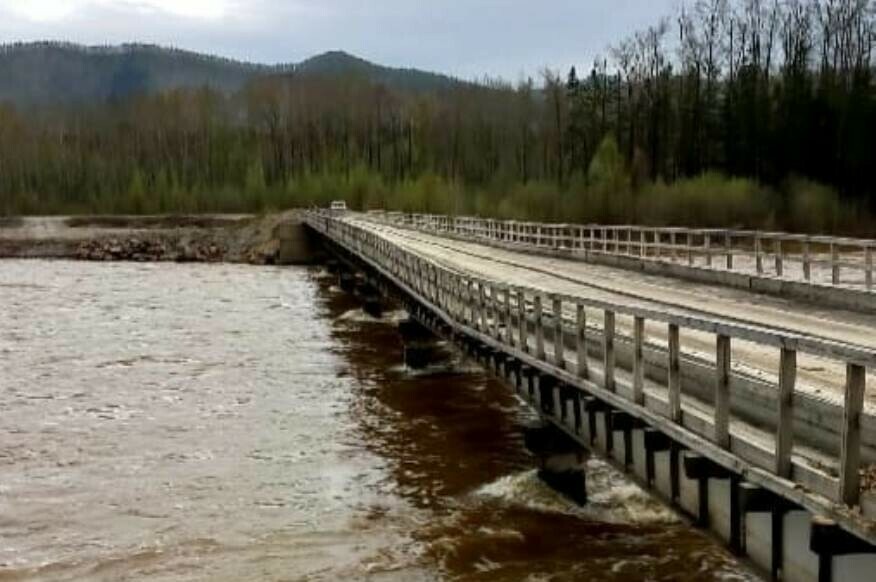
726, 370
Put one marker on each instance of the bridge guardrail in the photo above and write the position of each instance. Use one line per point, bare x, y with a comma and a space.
823, 260
502, 312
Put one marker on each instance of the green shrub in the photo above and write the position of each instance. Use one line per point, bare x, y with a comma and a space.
708, 200
811, 207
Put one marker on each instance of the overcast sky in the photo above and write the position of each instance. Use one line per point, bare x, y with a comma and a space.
466, 38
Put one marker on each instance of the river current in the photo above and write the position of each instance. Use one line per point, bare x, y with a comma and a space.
218, 422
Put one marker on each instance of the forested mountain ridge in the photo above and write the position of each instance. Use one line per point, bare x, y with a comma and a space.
50, 73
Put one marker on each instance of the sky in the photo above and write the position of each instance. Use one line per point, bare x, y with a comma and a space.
465, 38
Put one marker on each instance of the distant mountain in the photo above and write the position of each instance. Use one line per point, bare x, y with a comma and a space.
59, 73
339, 63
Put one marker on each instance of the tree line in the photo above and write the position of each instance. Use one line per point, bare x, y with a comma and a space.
745, 112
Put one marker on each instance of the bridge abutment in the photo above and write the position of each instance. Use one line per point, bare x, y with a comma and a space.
297, 245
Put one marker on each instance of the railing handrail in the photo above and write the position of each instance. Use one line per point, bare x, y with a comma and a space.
672, 244
767, 335
735, 232
434, 282
452, 293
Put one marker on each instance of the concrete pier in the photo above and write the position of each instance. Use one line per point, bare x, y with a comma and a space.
422, 347
561, 460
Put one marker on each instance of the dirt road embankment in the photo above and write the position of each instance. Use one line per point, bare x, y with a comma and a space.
206, 238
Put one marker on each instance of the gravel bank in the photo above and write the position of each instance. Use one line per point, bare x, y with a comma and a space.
208, 238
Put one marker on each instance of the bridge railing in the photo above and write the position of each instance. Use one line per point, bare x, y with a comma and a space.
825, 260
515, 318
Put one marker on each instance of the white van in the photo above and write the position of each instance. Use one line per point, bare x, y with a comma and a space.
338, 207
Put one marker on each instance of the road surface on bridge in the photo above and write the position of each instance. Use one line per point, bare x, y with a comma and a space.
820, 378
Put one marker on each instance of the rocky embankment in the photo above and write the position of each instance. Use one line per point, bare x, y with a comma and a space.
136, 249
224, 238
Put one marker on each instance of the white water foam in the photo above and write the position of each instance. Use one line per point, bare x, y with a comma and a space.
358, 315
611, 497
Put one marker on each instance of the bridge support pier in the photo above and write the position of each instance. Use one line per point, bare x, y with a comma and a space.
422, 348
546, 400
623, 425
527, 384
841, 556
372, 303
561, 461
346, 281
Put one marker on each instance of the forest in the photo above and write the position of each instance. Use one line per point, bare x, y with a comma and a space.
744, 113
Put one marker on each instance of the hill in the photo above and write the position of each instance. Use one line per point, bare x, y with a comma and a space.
339, 63
35, 74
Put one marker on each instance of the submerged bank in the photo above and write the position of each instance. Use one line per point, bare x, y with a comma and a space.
205, 238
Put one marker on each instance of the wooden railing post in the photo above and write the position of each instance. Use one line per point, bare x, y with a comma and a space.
463, 299
674, 376
482, 308
728, 248
608, 355
850, 452
523, 336
581, 341
470, 303
497, 311
868, 267
807, 261
490, 311
707, 244
785, 422
559, 343
834, 264
509, 335
539, 328
758, 254
780, 258
638, 361
722, 391
439, 287
450, 294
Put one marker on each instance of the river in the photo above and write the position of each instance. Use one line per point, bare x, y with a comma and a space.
218, 422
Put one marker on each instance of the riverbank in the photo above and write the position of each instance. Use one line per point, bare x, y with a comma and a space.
235, 238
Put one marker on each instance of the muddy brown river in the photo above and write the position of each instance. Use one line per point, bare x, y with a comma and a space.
194, 422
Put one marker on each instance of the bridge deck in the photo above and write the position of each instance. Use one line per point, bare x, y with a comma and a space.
772, 389
820, 377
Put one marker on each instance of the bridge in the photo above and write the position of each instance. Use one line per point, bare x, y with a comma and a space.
725, 370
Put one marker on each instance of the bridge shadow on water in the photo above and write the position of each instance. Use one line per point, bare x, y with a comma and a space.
453, 443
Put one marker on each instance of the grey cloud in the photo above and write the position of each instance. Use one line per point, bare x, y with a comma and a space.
467, 38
